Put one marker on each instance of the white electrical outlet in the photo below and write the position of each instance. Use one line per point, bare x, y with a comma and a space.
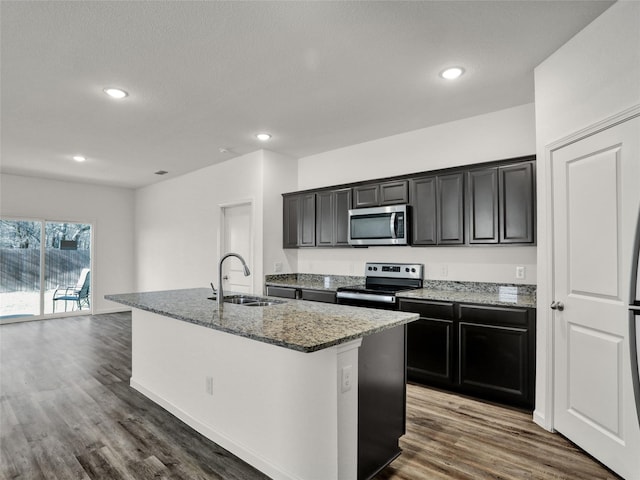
208, 386
347, 378
277, 267
444, 271
521, 272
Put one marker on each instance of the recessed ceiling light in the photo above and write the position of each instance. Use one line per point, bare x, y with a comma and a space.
79, 158
263, 137
115, 92
452, 73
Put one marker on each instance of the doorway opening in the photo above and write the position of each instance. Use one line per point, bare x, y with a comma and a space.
236, 236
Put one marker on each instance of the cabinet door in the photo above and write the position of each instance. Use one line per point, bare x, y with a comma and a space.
429, 354
342, 205
496, 352
482, 212
307, 220
366, 196
450, 209
325, 206
516, 203
291, 207
431, 342
494, 359
423, 206
394, 193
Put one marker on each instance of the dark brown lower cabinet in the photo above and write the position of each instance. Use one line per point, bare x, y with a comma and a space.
481, 350
429, 340
325, 296
283, 292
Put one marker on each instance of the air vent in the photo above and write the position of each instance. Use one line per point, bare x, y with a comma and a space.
161, 172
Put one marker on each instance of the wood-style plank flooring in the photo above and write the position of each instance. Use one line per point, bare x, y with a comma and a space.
67, 412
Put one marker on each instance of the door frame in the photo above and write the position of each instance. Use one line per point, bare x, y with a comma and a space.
222, 208
546, 318
46, 316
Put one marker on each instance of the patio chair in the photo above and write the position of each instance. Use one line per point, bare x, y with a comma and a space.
79, 293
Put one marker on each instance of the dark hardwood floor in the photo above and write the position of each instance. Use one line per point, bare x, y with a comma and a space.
67, 412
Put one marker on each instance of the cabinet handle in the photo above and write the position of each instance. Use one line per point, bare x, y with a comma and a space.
557, 306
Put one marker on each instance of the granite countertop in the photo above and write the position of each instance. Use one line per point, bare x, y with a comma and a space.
312, 281
438, 290
295, 324
485, 298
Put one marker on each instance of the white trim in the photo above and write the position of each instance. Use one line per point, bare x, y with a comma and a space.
597, 127
43, 221
236, 448
547, 421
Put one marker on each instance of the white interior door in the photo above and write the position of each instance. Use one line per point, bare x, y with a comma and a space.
237, 238
596, 196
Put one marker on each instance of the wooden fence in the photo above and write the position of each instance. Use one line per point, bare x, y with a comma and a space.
20, 268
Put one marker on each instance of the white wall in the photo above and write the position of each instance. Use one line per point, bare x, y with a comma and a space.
593, 76
499, 135
280, 176
108, 209
178, 220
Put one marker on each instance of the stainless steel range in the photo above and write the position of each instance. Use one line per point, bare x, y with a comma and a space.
382, 282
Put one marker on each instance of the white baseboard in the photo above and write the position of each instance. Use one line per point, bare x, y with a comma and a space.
119, 309
239, 450
541, 421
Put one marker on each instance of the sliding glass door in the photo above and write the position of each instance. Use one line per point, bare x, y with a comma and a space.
45, 268
20, 268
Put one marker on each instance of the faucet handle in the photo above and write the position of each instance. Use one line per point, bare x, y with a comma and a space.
212, 287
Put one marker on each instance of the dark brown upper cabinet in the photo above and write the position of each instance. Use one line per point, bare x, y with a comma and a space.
299, 220
517, 203
380, 194
332, 217
501, 204
438, 209
488, 204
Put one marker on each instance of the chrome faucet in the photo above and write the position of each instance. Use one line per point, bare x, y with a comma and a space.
245, 269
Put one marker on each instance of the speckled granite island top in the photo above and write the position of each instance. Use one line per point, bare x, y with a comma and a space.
295, 324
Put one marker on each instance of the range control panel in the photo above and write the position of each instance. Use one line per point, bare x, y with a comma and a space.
394, 270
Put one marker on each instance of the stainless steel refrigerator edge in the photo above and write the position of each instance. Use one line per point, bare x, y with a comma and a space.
634, 318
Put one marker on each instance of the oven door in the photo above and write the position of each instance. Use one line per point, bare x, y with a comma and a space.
378, 226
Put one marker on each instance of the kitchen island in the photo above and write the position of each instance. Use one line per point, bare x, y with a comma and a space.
300, 390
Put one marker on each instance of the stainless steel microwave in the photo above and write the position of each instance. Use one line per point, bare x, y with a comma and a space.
379, 225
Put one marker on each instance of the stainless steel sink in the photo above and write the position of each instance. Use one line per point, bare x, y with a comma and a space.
249, 300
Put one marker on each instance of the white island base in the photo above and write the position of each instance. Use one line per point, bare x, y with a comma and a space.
287, 413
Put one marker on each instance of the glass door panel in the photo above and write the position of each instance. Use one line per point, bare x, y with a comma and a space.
67, 263
19, 268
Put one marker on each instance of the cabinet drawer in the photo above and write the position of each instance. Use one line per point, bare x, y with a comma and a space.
284, 292
489, 315
318, 296
429, 309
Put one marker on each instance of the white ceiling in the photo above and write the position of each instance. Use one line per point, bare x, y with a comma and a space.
211, 74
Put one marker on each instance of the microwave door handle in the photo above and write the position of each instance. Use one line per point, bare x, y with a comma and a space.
392, 225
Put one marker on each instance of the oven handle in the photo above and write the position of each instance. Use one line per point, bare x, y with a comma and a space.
367, 297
